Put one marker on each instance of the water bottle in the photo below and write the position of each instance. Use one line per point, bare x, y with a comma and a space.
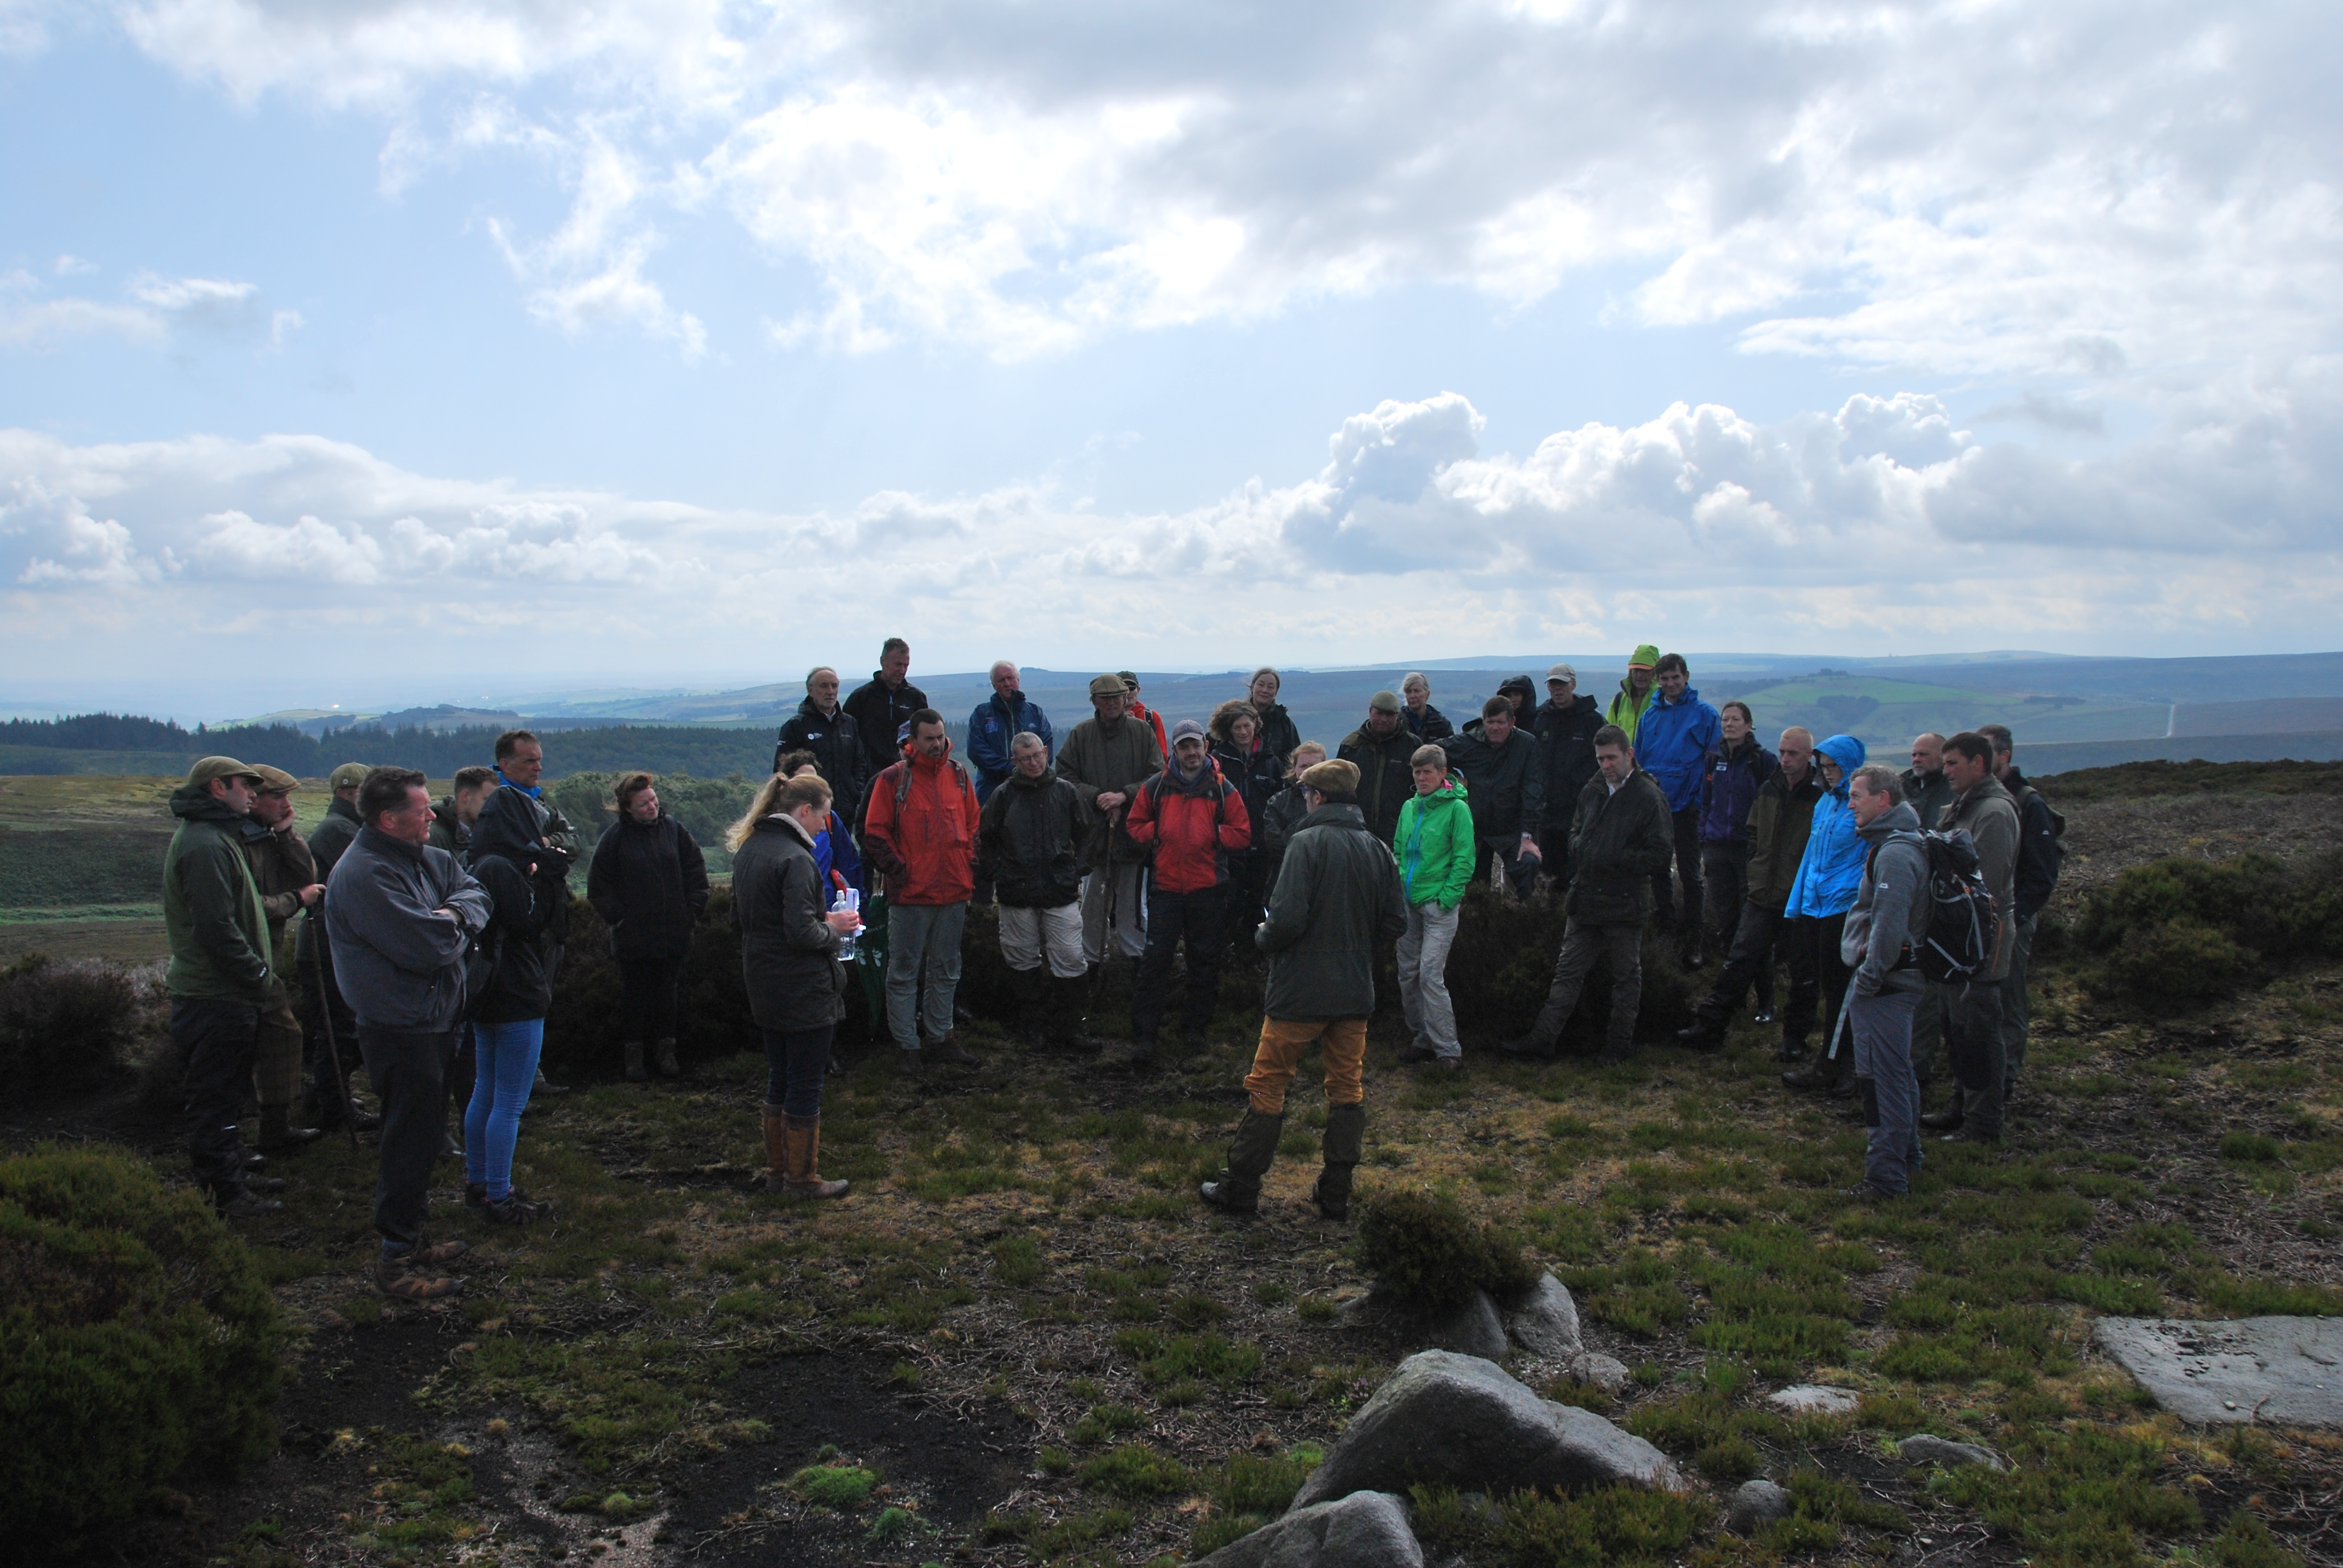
847, 899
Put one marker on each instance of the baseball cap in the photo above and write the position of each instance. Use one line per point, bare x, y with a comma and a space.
275, 780
1130, 679
1384, 702
348, 776
210, 767
1186, 730
1563, 672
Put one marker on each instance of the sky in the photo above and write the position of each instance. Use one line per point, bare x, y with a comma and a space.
388, 351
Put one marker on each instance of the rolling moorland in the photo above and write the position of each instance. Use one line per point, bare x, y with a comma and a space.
1022, 1341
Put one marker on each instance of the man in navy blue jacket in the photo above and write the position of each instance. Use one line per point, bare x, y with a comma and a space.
995, 723
1672, 742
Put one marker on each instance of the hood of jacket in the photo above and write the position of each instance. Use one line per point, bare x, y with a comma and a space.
510, 824
1848, 753
196, 803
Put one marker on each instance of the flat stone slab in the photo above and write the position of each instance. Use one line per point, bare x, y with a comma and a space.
2282, 1372
1812, 1399
1925, 1447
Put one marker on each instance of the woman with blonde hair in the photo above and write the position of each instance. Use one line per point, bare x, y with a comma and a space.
1277, 731
789, 958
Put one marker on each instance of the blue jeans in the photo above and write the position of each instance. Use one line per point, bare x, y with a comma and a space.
795, 1061
504, 1065
1891, 1093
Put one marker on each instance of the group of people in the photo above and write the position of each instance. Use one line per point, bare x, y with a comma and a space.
434, 930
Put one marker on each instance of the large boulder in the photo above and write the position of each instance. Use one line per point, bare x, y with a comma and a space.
1544, 1322
1364, 1529
2287, 1372
1465, 1421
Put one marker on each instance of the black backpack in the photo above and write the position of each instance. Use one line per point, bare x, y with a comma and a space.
1963, 926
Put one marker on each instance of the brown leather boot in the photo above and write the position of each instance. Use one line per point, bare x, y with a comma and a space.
804, 1136
777, 1150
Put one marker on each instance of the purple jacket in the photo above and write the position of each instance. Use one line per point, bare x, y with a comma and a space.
1729, 787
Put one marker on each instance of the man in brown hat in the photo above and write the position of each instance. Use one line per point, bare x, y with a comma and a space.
288, 883
1338, 894
1108, 755
221, 972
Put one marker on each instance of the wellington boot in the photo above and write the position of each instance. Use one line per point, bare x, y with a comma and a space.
635, 1073
803, 1138
777, 1150
1346, 1133
668, 1065
1250, 1152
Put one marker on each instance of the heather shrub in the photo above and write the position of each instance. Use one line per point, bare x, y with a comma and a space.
62, 1026
1430, 1255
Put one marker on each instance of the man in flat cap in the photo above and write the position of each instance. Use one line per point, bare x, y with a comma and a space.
288, 882
221, 972
1337, 894
1107, 757
1382, 748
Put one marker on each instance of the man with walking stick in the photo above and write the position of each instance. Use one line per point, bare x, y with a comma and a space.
1108, 755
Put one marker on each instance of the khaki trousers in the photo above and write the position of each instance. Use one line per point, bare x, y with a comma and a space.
1283, 1047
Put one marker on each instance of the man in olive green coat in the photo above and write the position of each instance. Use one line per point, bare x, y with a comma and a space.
288, 883
1337, 894
1621, 836
221, 970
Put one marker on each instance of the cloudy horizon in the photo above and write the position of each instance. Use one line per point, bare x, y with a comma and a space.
690, 344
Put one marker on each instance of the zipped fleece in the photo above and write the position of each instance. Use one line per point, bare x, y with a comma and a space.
1193, 825
1672, 742
212, 914
1891, 912
1434, 845
400, 966
927, 844
1729, 790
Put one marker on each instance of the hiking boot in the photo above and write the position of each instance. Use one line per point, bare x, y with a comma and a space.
1528, 1048
1814, 1075
950, 1051
407, 1278
279, 1136
1790, 1052
1230, 1197
544, 1085
1948, 1120
240, 1203
668, 1065
635, 1073
911, 1063
1416, 1055
1448, 1064
1141, 1057
1763, 1015
438, 1252
1700, 1037
1865, 1192
513, 1209
1249, 1154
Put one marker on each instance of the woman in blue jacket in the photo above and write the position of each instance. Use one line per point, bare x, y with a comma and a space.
1829, 876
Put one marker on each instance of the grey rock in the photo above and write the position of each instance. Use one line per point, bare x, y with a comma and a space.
1465, 1420
1473, 1329
1812, 1399
1606, 1372
1546, 1322
2287, 1372
1755, 1504
1363, 1530
1923, 1448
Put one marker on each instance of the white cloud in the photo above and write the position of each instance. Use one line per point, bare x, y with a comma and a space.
217, 307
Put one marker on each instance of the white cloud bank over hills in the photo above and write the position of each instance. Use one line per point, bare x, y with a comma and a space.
1881, 527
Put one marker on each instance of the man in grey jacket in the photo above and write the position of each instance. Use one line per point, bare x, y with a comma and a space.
1982, 807
401, 916
1889, 920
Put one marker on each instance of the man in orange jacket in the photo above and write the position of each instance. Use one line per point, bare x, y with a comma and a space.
919, 830
1144, 713
1193, 819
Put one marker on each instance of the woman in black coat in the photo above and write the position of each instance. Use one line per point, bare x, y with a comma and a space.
1246, 761
649, 882
507, 1013
789, 958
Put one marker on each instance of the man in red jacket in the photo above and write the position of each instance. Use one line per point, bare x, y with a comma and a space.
1193, 819
1144, 713
919, 830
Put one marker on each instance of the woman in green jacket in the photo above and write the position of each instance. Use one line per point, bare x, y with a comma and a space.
1433, 845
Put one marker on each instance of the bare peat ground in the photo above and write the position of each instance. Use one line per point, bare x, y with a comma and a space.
1021, 1340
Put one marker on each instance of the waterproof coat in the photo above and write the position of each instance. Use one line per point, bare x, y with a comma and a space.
1566, 738
649, 882
1153, 720
1890, 918
835, 741
1435, 844
1626, 712
1258, 775
400, 965
1097, 761
1507, 782
1029, 842
212, 913
281, 866
997, 721
447, 830
1193, 825
788, 954
1778, 825
1337, 896
1386, 774
524, 886
834, 852
1927, 796
921, 830
1729, 787
1619, 840
1428, 726
326, 842
2039, 852
1278, 732
1830, 871
879, 712
1279, 818
1672, 744
1990, 818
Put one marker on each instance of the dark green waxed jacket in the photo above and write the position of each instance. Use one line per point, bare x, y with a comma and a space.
1337, 893
211, 906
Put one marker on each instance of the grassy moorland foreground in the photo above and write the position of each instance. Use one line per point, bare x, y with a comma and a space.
1022, 1339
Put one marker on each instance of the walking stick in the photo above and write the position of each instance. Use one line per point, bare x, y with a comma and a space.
333, 1047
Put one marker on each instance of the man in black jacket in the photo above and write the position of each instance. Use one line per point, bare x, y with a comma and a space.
1383, 750
1029, 846
881, 707
2040, 854
1505, 784
649, 882
822, 726
1565, 724
1622, 834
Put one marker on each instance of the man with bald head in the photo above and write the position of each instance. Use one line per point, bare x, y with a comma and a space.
1778, 822
998, 721
1926, 788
